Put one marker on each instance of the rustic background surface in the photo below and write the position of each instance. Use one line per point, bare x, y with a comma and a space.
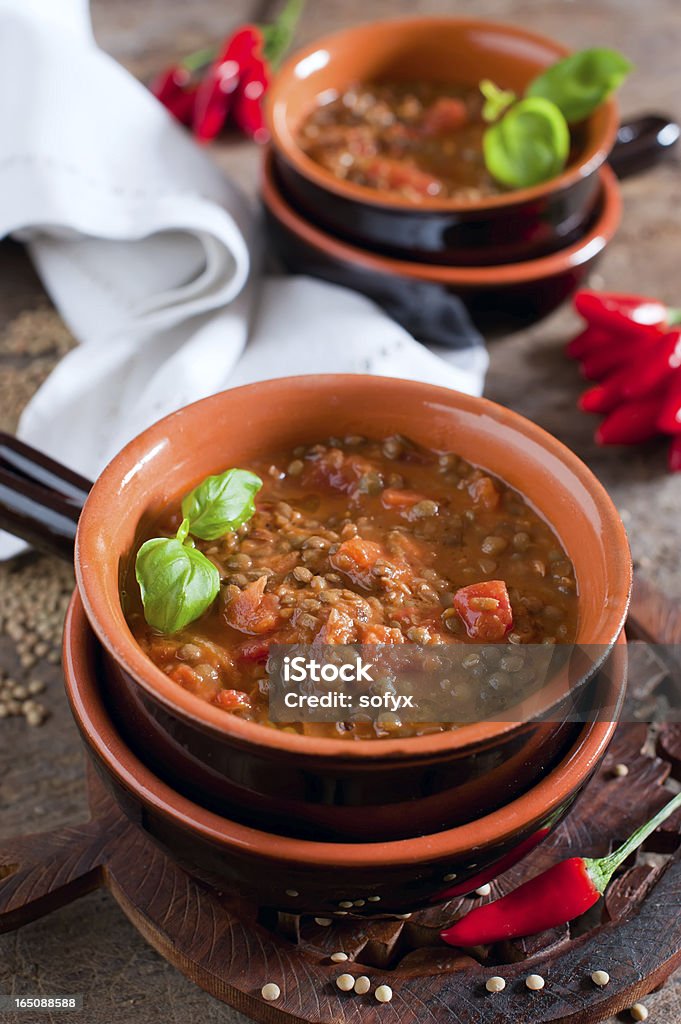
90, 947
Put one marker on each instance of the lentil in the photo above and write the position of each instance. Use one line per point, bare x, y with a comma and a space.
535, 982
639, 1011
495, 984
339, 958
270, 991
384, 993
600, 978
362, 985
345, 982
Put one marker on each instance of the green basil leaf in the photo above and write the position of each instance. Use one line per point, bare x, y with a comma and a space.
581, 82
221, 503
496, 100
530, 144
177, 582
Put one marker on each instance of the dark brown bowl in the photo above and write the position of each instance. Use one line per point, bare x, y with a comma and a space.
366, 789
515, 225
315, 877
425, 298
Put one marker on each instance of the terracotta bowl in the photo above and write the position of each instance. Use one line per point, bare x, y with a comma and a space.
515, 225
424, 297
330, 788
314, 877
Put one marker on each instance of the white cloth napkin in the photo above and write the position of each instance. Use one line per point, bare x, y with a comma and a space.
151, 255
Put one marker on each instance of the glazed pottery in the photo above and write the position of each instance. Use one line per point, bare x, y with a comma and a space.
425, 298
514, 225
302, 876
319, 787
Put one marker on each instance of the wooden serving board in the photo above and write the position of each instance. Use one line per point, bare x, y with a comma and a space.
232, 949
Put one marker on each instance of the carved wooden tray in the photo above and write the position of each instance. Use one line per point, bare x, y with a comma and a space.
232, 949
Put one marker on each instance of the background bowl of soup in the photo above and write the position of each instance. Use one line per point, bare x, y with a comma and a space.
371, 80
425, 298
308, 876
315, 785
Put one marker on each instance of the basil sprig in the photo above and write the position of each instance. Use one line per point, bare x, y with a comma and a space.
578, 84
176, 580
530, 144
528, 141
221, 503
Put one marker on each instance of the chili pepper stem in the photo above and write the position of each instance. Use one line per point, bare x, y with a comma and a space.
198, 59
602, 869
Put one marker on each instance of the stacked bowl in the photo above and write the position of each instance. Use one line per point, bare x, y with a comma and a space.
311, 824
510, 256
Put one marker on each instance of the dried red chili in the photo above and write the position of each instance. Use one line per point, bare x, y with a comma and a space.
208, 89
557, 896
629, 348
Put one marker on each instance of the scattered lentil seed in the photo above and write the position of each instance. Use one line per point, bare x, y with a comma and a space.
483, 890
639, 1011
270, 991
345, 904
384, 994
535, 982
323, 922
495, 984
362, 985
600, 978
339, 958
450, 876
292, 892
345, 982
374, 899
620, 770
359, 903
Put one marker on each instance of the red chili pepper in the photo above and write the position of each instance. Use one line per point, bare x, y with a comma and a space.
509, 860
631, 423
600, 362
589, 339
669, 420
637, 377
674, 456
247, 112
621, 313
218, 89
557, 896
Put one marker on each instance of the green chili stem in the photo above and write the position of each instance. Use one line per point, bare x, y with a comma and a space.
198, 59
602, 869
674, 317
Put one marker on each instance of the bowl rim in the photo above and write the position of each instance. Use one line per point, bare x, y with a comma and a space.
285, 143
92, 718
586, 248
124, 650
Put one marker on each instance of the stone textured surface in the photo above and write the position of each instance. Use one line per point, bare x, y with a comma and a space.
90, 947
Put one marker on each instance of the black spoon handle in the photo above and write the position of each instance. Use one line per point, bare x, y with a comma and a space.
40, 500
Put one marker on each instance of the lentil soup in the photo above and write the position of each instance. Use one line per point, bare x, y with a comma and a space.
367, 542
415, 140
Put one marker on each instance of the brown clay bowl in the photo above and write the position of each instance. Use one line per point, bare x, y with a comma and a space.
514, 225
303, 876
424, 297
319, 787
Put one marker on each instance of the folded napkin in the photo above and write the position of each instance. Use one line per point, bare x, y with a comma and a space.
151, 255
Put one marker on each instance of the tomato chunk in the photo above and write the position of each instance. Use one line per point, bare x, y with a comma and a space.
252, 610
338, 629
393, 498
397, 175
357, 558
233, 700
483, 492
485, 610
372, 633
445, 115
